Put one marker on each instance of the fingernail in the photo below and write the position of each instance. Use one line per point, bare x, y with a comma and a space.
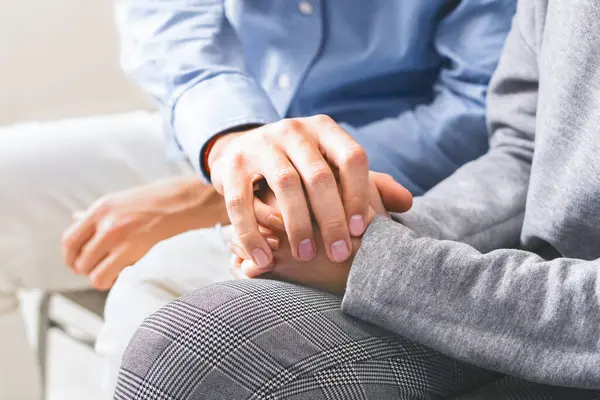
357, 225
306, 250
340, 251
273, 243
260, 258
276, 222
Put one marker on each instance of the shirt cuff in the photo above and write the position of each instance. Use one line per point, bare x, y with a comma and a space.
216, 105
367, 274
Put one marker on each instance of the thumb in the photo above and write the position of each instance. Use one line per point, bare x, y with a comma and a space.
395, 197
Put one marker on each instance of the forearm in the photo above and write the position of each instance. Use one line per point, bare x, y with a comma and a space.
482, 204
191, 204
507, 310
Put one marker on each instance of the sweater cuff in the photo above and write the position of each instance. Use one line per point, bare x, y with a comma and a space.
367, 275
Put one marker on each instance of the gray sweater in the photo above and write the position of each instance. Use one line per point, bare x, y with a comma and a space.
499, 265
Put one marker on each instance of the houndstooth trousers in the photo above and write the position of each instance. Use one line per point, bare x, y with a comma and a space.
263, 339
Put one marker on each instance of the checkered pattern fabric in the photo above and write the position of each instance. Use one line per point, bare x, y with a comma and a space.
261, 339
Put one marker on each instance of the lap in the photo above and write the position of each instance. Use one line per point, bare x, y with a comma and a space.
270, 340
173, 268
49, 170
512, 388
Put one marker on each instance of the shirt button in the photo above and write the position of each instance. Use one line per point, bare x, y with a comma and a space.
284, 82
305, 7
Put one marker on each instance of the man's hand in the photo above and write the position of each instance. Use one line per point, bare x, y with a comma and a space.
121, 228
384, 194
299, 159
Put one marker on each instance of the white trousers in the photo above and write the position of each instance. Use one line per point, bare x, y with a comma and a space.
174, 267
48, 171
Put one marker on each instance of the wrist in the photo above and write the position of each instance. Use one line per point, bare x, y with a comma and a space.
221, 141
191, 204
201, 207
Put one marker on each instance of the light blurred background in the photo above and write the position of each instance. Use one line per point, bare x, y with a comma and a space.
58, 60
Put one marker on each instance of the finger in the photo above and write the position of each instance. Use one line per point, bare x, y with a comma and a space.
395, 197
269, 236
285, 182
237, 273
98, 247
268, 216
265, 231
251, 270
342, 151
237, 251
75, 237
272, 240
239, 195
322, 190
107, 271
375, 199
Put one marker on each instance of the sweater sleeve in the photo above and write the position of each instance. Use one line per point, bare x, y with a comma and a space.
444, 276
483, 203
507, 310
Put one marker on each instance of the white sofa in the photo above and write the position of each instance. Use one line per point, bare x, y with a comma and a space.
59, 60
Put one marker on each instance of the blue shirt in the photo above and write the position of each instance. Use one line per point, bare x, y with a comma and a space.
407, 79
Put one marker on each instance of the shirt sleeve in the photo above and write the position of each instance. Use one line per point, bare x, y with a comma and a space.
186, 54
424, 145
445, 277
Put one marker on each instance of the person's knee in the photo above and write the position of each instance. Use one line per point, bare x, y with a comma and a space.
131, 300
172, 268
232, 330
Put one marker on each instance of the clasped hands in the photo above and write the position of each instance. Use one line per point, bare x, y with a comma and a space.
323, 197
384, 195
320, 196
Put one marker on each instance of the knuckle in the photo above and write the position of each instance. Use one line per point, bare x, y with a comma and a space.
356, 201
235, 203
304, 143
297, 229
320, 175
246, 237
287, 178
323, 119
356, 156
238, 160
290, 125
96, 281
102, 205
99, 282
334, 227
108, 233
81, 264
68, 241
